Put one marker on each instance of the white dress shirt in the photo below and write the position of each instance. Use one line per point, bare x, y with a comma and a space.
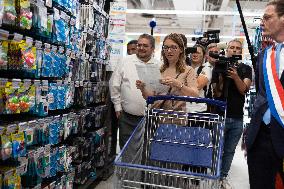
281, 66
124, 94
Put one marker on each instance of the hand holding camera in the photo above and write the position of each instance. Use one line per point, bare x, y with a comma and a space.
232, 72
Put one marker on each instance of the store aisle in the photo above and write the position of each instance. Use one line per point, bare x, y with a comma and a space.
238, 175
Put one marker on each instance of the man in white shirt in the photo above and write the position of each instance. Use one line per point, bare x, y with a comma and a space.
128, 101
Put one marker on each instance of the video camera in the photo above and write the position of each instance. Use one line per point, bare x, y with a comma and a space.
224, 63
208, 37
211, 36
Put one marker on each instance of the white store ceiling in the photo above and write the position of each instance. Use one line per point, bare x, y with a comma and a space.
190, 21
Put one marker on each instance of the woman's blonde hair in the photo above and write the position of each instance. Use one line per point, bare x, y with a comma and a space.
181, 65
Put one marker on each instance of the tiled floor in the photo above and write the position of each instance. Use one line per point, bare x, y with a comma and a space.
238, 175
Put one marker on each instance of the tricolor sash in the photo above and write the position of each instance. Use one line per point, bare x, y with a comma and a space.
273, 86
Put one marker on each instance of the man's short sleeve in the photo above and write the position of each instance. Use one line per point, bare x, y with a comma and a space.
247, 72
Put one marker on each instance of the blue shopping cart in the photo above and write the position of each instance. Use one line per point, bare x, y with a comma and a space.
173, 149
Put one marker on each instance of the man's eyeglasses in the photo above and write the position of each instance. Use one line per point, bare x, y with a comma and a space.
172, 48
266, 17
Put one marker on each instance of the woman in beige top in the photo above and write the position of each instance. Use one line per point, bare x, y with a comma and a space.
175, 73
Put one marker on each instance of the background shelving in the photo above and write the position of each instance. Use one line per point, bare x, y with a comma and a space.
53, 89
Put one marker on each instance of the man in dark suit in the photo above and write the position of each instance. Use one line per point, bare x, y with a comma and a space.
265, 134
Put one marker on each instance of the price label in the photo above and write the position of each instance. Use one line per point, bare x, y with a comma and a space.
48, 3
18, 37
50, 98
29, 41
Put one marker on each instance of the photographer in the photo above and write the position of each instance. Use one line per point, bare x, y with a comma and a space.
203, 76
231, 85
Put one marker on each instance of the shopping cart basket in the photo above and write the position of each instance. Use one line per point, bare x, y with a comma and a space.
173, 149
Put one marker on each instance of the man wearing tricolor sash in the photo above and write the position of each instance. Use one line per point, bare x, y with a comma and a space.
265, 134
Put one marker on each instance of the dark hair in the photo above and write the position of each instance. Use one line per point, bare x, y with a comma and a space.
279, 6
180, 66
132, 42
184, 39
149, 37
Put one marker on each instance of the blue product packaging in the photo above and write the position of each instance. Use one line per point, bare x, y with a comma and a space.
53, 132
47, 63
52, 96
53, 162
56, 66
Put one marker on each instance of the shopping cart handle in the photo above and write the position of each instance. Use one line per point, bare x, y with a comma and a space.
221, 104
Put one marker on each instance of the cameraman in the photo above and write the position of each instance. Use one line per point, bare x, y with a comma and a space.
232, 86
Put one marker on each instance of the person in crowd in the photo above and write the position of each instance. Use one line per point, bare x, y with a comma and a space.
132, 47
184, 39
203, 75
210, 62
187, 59
265, 134
211, 48
128, 101
231, 86
174, 72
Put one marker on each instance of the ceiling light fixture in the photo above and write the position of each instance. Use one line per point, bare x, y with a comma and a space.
182, 12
